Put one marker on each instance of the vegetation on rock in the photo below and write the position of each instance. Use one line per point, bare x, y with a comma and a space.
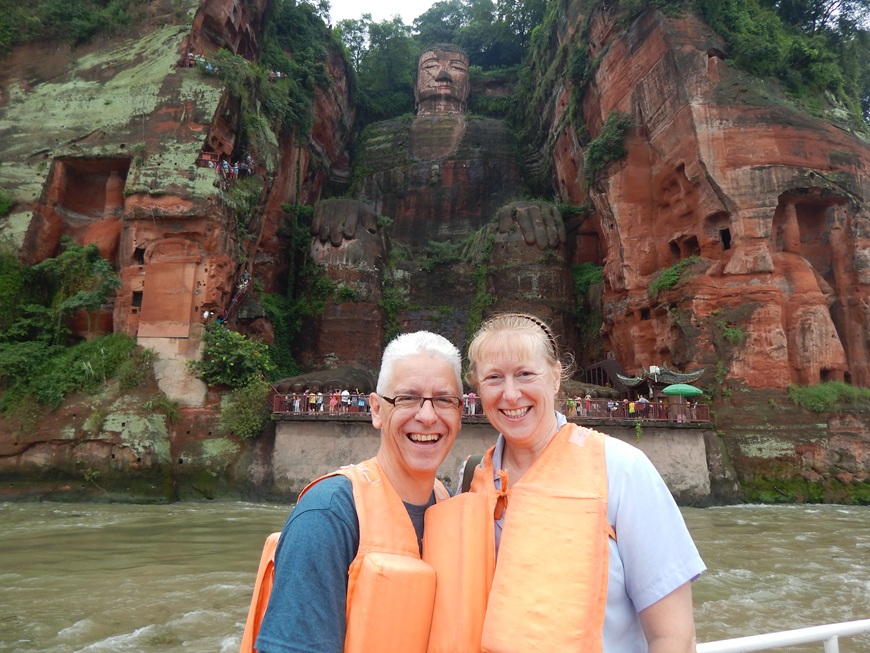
67, 21
231, 359
39, 358
670, 277
246, 409
607, 147
829, 397
588, 286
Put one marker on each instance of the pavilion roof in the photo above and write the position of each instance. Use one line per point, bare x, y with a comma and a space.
661, 375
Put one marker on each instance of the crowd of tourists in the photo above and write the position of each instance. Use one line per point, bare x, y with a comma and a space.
340, 401
345, 401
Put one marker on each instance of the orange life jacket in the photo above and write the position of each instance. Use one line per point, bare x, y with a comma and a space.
548, 589
390, 592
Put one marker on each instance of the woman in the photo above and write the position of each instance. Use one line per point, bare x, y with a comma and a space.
593, 554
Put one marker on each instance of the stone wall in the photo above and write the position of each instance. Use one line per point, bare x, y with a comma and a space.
307, 448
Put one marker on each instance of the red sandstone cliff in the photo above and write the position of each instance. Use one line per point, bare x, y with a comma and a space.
722, 167
119, 157
771, 199
108, 148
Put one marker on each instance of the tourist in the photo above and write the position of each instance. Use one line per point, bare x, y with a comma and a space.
345, 400
350, 529
555, 500
642, 406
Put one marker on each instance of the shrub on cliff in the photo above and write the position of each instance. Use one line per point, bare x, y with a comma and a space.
39, 359
48, 373
246, 409
607, 147
6, 202
829, 397
231, 359
669, 277
63, 21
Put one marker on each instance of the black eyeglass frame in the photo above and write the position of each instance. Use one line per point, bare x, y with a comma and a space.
456, 402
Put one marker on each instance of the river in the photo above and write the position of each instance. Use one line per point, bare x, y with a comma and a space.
146, 579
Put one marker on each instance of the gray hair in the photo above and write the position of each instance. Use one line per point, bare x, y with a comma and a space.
414, 344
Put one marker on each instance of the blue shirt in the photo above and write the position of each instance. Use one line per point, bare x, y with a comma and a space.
306, 612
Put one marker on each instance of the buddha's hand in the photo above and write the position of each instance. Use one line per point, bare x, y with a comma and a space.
539, 223
337, 220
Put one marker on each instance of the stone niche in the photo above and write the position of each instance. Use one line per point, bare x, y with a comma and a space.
83, 199
88, 187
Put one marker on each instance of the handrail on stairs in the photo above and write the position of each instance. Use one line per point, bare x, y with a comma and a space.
829, 634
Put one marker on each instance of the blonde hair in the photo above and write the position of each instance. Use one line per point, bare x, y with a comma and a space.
517, 332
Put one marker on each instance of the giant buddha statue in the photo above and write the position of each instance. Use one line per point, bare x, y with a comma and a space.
437, 197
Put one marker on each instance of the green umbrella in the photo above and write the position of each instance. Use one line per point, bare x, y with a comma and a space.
682, 390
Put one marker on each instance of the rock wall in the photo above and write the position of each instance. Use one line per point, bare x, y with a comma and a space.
722, 167
764, 203
116, 142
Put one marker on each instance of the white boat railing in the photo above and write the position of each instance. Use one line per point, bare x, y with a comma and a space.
828, 634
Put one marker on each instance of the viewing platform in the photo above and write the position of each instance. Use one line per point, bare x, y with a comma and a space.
673, 413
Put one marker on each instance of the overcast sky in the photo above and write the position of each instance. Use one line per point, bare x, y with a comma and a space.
379, 9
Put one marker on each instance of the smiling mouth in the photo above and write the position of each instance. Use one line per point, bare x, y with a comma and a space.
516, 413
424, 438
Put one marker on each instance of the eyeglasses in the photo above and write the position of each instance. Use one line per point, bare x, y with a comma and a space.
443, 402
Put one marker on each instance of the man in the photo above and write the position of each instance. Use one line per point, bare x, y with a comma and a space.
323, 600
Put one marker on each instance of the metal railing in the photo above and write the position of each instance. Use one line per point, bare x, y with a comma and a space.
674, 411
828, 634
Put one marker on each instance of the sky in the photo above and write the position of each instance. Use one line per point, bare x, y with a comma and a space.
379, 9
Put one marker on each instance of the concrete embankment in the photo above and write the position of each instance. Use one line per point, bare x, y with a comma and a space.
306, 447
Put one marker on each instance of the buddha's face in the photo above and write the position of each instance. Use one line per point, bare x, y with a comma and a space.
442, 82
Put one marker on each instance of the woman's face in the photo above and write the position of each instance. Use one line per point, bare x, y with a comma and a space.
517, 386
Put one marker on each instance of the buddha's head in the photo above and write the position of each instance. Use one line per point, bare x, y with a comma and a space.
442, 80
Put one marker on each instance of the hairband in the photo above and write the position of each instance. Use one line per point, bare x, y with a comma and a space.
544, 328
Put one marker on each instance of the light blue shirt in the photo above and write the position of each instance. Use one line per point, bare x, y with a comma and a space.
653, 553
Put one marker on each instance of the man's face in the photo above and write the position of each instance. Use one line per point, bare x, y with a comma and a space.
442, 81
416, 439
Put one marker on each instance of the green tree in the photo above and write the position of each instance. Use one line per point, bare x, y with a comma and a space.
354, 33
387, 71
521, 17
231, 359
813, 16
246, 409
442, 22
813, 46
77, 279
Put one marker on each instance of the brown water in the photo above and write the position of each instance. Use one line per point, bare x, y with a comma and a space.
99, 578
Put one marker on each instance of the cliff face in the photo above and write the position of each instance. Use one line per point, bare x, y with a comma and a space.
111, 145
721, 167
765, 205
114, 147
